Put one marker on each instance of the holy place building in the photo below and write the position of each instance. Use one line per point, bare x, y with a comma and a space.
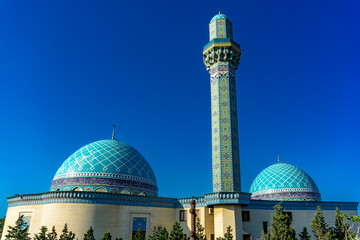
110, 186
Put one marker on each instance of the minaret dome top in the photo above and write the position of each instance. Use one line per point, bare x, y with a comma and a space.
220, 27
219, 16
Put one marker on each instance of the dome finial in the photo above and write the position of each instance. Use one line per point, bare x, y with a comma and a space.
113, 134
278, 156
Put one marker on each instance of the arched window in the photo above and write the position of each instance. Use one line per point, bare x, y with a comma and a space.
125, 191
100, 189
77, 189
58, 189
143, 194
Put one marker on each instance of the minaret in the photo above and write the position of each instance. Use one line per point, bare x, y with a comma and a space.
221, 58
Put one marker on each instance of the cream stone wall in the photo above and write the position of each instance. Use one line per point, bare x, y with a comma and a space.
102, 217
227, 215
301, 218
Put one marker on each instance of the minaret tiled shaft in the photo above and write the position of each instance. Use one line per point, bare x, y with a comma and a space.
221, 58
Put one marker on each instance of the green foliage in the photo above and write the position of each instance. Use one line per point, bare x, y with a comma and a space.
281, 228
177, 232
304, 235
155, 234
2, 222
19, 231
263, 235
89, 235
107, 236
319, 226
66, 234
119, 238
139, 235
342, 227
42, 235
200, 235
52, 235
163, 235
228, 235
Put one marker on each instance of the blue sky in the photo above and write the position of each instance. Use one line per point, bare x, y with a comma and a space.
70, 69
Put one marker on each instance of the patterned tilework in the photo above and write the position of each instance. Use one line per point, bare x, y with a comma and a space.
284, 181
220, 27
108, 163
225, 149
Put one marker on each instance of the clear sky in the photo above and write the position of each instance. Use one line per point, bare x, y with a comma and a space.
70, 69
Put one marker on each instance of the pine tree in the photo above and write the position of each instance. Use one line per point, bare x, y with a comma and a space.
19, 231
42, 235
304, 235
155, 234
177, 232
164, 235
107, 236
228, 235
200, 235
342, 227
89, 235
52, 235
139, 235
66, 235
2, 222
281, 228
319, 226
263, 235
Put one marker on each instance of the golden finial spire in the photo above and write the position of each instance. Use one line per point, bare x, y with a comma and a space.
113, 134
278, 156
219, 12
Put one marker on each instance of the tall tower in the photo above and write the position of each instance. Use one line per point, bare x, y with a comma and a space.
221, 58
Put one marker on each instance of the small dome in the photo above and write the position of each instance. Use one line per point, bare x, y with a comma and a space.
219, 16
106, 166
284, 182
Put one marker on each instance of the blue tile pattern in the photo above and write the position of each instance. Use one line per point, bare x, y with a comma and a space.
106, 163
284, 182
219, 16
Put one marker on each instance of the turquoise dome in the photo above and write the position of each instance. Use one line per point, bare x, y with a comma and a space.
107, 166
284, 182
219, 16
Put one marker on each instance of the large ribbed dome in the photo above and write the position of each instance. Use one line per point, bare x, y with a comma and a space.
284, 182
107, 166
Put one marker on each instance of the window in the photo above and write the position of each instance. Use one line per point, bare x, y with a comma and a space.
289, 214
100, 189
212, 237
143, 194
125, 191
182, 215
247, 237
77, 189
246, 216
265, 227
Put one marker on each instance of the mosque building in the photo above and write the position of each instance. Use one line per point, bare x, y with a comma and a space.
110, 186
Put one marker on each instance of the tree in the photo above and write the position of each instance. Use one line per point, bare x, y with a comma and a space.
228, 235
319, 226
200, 235
107, 236
66, 235
139, 235
89, 235
281, 228
19, 231
263, 235
177, 232
341, 230
2, 222
42, 235
163, 235
304, 235
155, 234
52, 235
